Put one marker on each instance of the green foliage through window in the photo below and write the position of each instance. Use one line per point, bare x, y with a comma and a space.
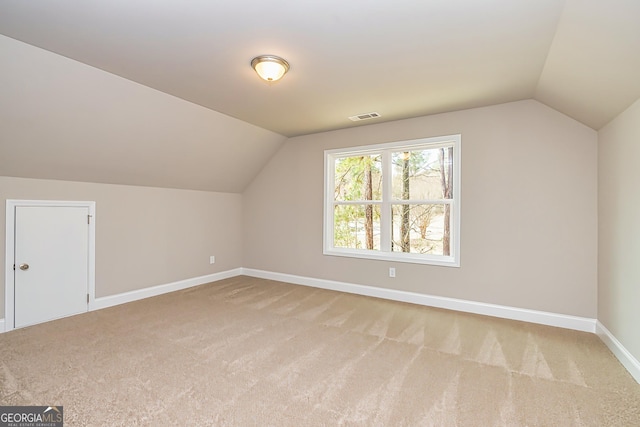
398, 198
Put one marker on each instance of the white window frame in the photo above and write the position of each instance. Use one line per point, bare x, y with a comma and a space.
385, 253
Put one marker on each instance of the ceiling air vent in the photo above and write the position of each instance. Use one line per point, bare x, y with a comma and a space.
365, 116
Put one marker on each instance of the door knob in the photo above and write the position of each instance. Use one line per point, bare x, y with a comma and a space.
24, 266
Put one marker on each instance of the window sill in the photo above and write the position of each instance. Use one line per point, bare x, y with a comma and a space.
442, 261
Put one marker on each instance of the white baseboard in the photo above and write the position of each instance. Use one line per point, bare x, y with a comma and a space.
111, 300
532, 316
628, 361
123, 298
540, 317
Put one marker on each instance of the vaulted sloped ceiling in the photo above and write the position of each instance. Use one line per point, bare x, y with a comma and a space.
592, 71
401, 59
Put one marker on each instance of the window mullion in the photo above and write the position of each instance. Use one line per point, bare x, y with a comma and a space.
346, 226
385, 210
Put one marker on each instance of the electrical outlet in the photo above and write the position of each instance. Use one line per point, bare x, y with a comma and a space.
212, 259
392, 272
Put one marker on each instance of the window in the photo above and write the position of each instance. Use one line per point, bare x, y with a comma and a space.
398, 201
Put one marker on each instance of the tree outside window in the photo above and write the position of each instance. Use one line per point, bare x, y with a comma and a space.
394, 201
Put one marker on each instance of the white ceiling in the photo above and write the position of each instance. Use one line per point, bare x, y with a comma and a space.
402, 58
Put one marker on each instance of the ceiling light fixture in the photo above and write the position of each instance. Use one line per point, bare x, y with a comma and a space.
269, 67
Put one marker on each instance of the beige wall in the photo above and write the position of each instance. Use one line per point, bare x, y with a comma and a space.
619, 228
145, 236
61, 119
529, 210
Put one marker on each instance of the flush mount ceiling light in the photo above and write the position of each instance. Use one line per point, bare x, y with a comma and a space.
269, 67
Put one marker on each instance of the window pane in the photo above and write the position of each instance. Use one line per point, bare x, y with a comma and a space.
421, 229
358, 178
423, 174
357, 227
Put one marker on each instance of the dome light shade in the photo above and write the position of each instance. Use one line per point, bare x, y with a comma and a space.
270, 68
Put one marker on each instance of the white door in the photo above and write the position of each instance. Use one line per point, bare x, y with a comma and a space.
51, 262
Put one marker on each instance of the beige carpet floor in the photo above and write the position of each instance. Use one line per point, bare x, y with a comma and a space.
252, 352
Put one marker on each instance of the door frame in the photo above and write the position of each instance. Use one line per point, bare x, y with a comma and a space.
9, 303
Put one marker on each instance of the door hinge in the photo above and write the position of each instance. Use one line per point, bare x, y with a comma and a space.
88, 219
87, 298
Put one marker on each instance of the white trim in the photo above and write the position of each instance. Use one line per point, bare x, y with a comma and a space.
385, 252
444, 261
431, 141
532, 316
622, 354
10, 248
123, 298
